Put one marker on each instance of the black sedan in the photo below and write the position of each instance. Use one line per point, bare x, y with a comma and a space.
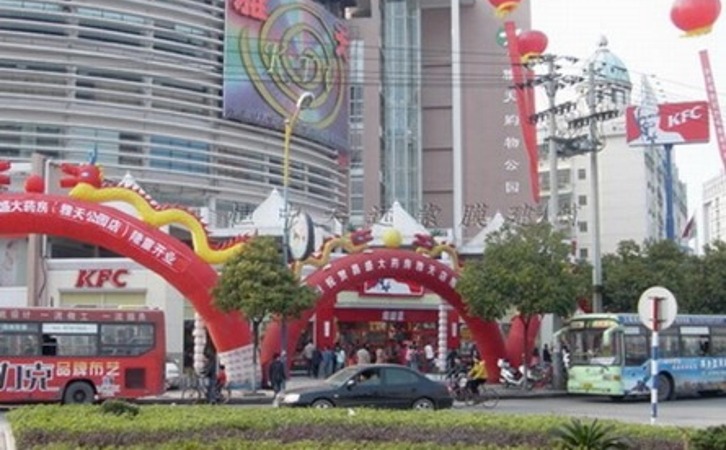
371, 385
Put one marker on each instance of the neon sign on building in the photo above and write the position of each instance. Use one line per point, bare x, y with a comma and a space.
274, 51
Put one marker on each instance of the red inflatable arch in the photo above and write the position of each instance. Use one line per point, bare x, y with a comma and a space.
349, 272
112, 229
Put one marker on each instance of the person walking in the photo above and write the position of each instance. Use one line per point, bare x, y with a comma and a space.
363, 355
276, 374
308, 355
339, 358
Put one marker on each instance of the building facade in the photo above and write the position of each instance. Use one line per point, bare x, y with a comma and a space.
403, 132
714, 210
138, 87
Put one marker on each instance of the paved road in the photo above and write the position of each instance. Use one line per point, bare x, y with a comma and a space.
687, 412
6, 442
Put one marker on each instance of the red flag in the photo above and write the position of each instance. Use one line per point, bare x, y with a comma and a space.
689, 232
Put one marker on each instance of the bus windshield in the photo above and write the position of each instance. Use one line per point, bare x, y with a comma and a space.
591, 342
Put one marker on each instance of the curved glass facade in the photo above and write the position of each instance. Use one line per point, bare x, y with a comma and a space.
140, 82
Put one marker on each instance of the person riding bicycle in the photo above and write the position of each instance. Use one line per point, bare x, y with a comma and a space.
221, 380
477, 375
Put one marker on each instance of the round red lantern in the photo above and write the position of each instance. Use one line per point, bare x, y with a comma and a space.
35, 184
531, 43
695, 17
504, 7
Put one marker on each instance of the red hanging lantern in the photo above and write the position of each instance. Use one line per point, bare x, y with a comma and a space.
35, 184
504, 7
695, 17
531, 44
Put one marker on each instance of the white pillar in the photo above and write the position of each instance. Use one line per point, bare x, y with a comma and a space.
200, 341
443, 330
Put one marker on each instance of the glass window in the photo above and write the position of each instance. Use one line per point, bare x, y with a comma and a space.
669, 345
582, 200
19, 344
70, 345
581, 174
179, 155
718, 345
126, 339
636, 350
583, 253
369, 377
582, 226
400, 376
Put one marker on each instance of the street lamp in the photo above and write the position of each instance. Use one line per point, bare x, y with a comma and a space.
303, 102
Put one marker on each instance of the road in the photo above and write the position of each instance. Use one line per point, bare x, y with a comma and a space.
687, 412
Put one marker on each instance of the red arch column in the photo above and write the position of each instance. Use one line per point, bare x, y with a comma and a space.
23, 213
353, 270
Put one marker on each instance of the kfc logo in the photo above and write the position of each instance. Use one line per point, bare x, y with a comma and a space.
668, 123
98, 278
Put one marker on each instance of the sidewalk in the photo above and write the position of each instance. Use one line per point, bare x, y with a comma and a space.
7, 442
263, 396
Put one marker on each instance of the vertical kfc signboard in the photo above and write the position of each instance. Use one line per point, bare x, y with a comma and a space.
667, 123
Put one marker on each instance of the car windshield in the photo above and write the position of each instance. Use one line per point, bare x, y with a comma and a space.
593, 346
339, 378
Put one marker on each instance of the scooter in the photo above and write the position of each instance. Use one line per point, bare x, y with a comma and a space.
509, 377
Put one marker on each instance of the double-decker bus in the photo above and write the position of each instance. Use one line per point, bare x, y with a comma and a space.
609, 354
80, 355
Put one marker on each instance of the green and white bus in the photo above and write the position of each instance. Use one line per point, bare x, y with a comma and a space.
609, 355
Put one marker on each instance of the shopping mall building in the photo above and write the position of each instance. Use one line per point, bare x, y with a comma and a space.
188, 99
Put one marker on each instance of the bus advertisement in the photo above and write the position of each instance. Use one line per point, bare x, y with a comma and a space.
80, 355
609, 355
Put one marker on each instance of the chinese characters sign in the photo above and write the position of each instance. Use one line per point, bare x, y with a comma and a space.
42, 209
274, 51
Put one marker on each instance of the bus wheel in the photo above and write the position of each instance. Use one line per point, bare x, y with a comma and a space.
665, 388
78, 393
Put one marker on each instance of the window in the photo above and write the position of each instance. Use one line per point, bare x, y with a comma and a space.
126, 339
400, 376
582, 200
669, 344
369, 377
583, 253
19, 339
581, 174
582, 226
636, 350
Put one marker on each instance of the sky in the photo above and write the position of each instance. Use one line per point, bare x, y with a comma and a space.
642, 35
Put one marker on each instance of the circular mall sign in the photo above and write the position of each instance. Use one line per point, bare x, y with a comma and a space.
301, 236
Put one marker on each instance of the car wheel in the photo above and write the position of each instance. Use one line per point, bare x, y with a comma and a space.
423, 404
322, 403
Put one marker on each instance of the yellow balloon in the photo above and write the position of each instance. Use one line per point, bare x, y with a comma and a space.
392, 238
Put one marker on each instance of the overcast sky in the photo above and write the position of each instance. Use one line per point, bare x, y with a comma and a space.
641, 33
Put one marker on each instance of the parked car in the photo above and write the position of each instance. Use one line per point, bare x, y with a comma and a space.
172, 378
371, 385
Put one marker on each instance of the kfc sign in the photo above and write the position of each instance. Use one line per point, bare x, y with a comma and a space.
98, 278
668, 123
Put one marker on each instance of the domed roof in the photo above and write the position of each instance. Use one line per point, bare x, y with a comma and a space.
608, 67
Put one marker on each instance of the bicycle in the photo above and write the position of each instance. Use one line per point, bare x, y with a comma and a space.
487, 397
196, 388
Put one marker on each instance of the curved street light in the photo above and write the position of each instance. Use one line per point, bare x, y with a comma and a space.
303, 102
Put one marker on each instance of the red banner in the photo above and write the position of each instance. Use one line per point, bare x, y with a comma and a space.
713, 101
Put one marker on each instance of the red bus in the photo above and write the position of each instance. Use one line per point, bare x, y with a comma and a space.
80, 355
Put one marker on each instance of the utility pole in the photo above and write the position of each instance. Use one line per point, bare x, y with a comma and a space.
595, 193
551, 89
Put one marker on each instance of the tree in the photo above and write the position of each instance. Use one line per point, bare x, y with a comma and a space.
526, 267
256, 283
633, 269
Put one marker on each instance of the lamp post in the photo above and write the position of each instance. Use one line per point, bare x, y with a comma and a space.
303, 102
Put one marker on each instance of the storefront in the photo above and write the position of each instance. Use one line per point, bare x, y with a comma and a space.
116, 283
399, 315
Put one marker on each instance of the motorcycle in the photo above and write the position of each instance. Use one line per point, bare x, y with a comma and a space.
510, 377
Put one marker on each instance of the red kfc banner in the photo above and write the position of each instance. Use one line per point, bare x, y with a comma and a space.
667, 123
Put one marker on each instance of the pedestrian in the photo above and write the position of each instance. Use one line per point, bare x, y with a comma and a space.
363, 355
546, 355
339, 358
316, 362
430, 357
276, 373
308, 356
328, 362
380, 356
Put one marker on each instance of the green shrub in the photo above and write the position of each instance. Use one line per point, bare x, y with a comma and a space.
577, 435
711, 438
119, 408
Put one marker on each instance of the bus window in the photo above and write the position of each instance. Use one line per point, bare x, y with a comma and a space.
590, 346
636, 350
127, 339
50, 345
